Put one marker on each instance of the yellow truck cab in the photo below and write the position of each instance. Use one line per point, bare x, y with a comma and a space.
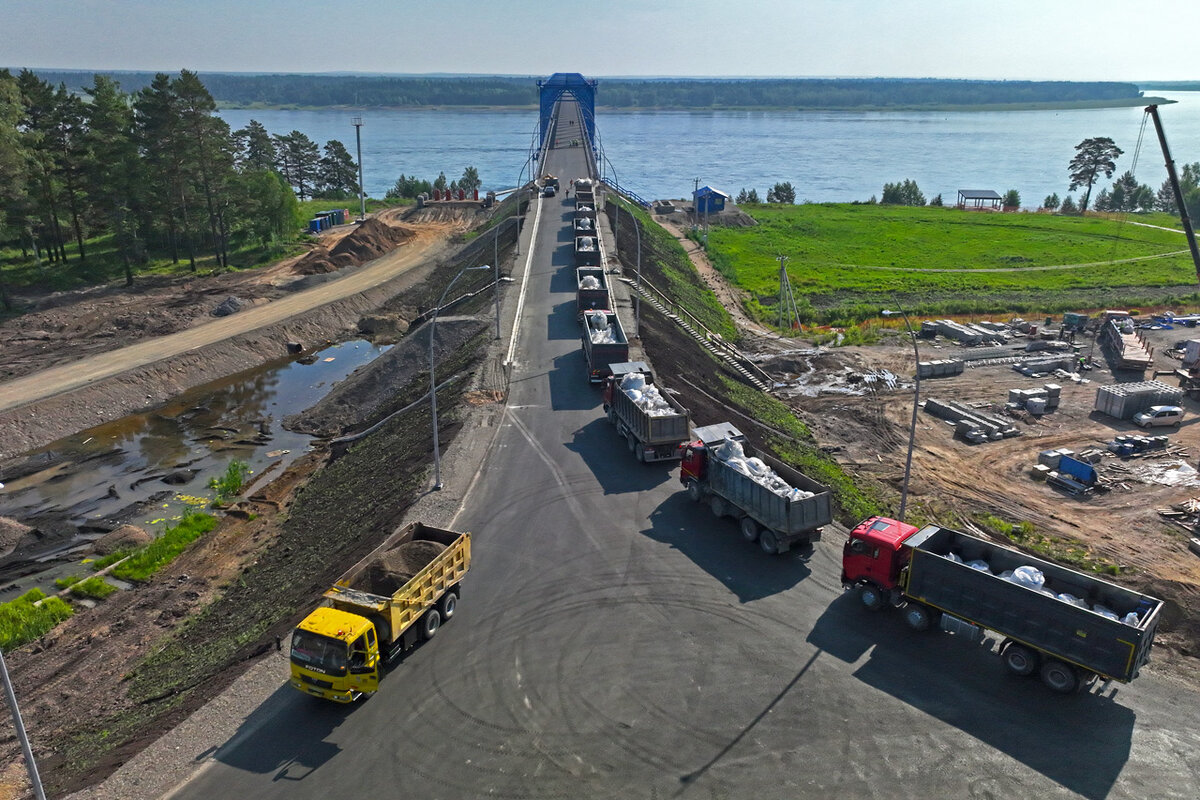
399, 594
335, 655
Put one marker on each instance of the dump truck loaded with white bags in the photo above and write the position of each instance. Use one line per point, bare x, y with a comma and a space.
774, 504
650, 419
1067, 626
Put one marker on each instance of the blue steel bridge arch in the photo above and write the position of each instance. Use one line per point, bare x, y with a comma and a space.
579, 87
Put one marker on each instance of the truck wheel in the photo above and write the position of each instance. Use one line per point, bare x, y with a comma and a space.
717, 505
917, 617
1020, 660
612, 415
430, 623
749, 529
768, 542
448, 605
871, 596
1059, 676
631, 442
694, 491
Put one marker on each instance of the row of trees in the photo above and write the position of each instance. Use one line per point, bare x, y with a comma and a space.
156, 170
407, 187
394, 91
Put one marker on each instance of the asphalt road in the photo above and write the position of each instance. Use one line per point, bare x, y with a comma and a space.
617, 641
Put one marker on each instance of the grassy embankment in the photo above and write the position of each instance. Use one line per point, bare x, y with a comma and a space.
666, 266
846, 262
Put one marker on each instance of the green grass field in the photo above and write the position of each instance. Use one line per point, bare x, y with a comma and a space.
848, 261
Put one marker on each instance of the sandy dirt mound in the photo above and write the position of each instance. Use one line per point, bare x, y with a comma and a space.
368, 241
396, 567
11, 533
123, 538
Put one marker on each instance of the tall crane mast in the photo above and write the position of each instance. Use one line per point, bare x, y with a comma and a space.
1183, 215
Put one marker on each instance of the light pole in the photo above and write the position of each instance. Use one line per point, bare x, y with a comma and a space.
912, 428
637, 298
437, 456
30, 764
362, 192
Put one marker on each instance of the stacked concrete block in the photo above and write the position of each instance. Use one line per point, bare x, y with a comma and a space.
1044, 366
969, 423
940, 369
1123, 400
1038, 400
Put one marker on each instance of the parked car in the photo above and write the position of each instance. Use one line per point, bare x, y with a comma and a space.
1159, 416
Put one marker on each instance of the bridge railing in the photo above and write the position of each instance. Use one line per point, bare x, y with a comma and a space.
626, 193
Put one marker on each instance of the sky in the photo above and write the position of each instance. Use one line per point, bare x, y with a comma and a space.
1077, 40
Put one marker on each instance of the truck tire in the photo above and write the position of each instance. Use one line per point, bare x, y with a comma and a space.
749, 529
1020, 659
694, 491
448, 605
1060, 677
917, 617
768, 542
631, 442
430, 623
717, 505
871, 596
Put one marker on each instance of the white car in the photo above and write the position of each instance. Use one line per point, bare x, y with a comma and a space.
1159, 416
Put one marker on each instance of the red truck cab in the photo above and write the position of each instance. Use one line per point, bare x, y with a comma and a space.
693, 462
876, 554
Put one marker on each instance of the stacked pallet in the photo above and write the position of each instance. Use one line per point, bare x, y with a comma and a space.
1123, 400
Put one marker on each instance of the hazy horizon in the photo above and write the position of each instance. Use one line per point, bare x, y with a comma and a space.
1069, 40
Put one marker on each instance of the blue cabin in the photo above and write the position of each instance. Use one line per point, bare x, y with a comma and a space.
709, 200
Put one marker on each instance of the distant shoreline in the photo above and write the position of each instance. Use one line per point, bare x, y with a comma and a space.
1130, 102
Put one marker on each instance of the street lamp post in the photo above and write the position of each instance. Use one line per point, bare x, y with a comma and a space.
30, 765
362, 192
637, 298
437, 456
912, 428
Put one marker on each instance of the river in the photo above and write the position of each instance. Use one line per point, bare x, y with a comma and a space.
828, 156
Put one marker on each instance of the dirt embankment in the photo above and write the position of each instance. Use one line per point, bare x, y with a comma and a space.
110, 680
186, 305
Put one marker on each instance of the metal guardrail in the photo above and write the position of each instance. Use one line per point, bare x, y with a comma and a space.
626, 193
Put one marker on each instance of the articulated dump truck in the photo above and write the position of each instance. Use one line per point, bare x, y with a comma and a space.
400, 593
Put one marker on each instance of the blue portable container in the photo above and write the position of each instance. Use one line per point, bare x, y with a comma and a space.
314, 225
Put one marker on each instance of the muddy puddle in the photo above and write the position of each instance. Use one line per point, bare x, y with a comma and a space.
146, 468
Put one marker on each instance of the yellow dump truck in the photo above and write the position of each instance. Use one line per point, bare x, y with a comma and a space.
403, 591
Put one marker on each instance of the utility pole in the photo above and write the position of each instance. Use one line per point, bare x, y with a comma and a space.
362, 197
696, 203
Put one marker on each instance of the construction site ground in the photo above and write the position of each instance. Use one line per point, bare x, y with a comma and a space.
858, 403
850, 397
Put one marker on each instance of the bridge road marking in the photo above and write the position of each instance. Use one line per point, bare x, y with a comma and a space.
512, 343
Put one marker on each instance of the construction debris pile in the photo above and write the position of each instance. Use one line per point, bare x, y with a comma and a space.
1063, 470
646, 395
599, 329
589, 282
731, 453
971, 423
1034, 579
